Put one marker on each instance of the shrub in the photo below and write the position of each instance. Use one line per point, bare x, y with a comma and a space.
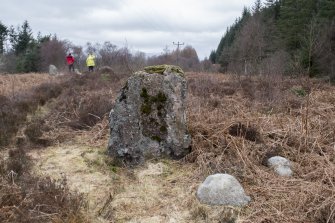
46, 91
211, 85
14, 111
30, 199
36, 200
10, 118
18, 162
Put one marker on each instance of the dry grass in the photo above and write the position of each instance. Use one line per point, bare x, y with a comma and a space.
32, 113
27, 198
14, 110
11, 84
235, 122
82, 102
304, 134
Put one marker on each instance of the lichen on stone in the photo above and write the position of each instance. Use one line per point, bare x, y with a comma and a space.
161, 69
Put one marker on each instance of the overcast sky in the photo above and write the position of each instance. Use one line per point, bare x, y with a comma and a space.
144, 25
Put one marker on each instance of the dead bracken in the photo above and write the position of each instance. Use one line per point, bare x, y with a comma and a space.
247, 132
78, 135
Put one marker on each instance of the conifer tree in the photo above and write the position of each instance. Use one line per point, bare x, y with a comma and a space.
302, 29
3, 35
21, 38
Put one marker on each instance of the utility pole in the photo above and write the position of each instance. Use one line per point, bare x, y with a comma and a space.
166, 51
178, 44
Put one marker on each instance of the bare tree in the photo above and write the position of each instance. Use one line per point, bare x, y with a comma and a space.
108, 53
189, 59
53, 51
138, 61
80, 58
248, 49
324, 50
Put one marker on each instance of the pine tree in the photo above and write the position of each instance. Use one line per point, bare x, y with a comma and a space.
272, 9
21, 38
25, 47
302, 29
212, 57
223, 55
256, 9
295, 16
3, 35
327, 9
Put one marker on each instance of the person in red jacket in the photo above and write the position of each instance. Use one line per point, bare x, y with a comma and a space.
70, 62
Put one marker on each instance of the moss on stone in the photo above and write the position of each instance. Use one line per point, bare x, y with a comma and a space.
159, 107
146, 108
144, 94
159, 100
156, 138
152, 109
123, 95
160, 69
160, 97
163, 128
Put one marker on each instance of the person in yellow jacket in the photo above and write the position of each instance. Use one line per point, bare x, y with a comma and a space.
90, 62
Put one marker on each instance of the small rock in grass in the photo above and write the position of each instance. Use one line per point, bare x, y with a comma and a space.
222, 189
281, 165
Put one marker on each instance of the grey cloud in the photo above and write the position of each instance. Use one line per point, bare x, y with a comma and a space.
146, 25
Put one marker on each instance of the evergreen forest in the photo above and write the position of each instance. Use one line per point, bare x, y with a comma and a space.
292, 37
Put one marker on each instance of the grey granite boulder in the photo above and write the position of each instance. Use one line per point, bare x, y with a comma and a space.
222, 189
281, 165
148, 118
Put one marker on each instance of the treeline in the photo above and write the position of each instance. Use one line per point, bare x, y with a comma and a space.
21, 52
292, 37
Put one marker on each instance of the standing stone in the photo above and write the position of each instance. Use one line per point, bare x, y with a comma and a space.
77, 71
281, 165
53, 71
149, 118
222, 189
